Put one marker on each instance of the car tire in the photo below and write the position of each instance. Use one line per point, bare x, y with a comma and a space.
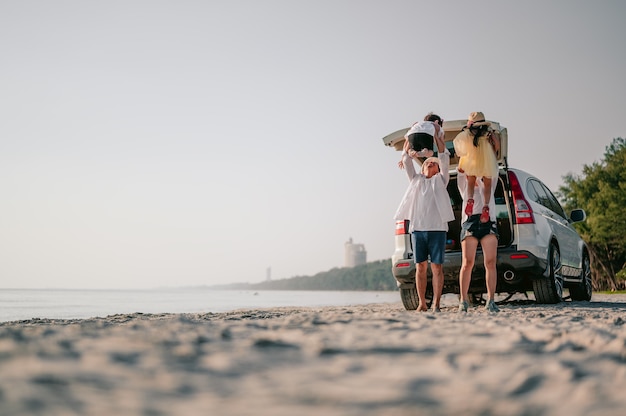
411, 300
550, 289
583, 290
409, 297
477, 299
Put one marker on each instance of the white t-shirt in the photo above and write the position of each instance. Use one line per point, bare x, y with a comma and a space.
427, 127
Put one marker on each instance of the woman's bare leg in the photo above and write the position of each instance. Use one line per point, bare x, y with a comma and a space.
489, 243
468, 248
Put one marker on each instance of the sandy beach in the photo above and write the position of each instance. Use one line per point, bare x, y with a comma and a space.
376, 359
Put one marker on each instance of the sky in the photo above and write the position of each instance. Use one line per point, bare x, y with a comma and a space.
148, 143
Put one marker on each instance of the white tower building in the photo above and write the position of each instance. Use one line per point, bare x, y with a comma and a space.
355, 254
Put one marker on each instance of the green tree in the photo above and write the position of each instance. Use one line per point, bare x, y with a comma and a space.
601, 192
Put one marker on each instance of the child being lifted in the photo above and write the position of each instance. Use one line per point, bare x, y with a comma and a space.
420, 138
477, 145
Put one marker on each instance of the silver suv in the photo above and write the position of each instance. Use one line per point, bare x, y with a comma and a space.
538, 249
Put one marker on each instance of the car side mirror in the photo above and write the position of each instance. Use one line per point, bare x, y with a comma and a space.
577, 215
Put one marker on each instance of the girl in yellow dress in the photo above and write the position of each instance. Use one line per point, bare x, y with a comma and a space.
477, 145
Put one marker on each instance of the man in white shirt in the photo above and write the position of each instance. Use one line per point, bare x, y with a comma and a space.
426, 204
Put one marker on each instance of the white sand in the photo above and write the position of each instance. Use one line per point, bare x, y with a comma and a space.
565, 359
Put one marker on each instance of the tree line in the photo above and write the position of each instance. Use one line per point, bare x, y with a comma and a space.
374, 275
601, 191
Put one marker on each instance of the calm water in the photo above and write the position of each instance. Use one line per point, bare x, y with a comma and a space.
19, 304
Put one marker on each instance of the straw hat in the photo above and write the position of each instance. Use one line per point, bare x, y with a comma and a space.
477, 118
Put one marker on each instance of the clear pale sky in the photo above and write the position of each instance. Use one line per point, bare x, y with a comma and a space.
174, 143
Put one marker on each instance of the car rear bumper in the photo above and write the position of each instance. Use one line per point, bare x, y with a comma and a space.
516, 270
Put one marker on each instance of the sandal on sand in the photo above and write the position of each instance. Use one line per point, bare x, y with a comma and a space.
469, 207
484, 217
491, 306
463, 306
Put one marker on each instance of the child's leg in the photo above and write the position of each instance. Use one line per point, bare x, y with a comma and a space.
484, 216
471, 184
487, 190
469, 206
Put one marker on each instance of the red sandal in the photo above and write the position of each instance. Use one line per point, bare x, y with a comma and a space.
469, 207
484, 217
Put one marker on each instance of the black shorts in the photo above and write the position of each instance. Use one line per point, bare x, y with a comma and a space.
421, 141
474, 228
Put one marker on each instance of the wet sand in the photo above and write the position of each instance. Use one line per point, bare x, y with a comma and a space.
378, 359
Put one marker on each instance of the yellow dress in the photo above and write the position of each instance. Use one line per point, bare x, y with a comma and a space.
478, 160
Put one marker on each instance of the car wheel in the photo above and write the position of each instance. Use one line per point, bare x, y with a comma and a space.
550, 289
409, 297
411, 300
477, 299
583, 290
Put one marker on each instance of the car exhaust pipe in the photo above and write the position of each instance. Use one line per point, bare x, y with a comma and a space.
509, 276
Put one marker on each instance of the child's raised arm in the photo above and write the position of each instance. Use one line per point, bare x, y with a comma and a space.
439, 139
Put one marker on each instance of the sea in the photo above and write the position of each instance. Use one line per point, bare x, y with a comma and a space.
25, 304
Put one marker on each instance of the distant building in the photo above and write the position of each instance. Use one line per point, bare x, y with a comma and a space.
268, 274
355, 254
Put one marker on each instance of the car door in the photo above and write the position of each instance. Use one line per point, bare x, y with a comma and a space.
565, 234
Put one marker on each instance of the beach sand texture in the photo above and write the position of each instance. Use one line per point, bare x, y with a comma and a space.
378, 359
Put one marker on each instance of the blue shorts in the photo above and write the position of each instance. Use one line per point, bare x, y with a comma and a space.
429, 242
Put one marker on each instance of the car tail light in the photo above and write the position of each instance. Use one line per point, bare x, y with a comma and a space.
402, 227
403, 264
519, 256
523, 211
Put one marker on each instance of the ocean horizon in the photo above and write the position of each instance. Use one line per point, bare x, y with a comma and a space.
25, 304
